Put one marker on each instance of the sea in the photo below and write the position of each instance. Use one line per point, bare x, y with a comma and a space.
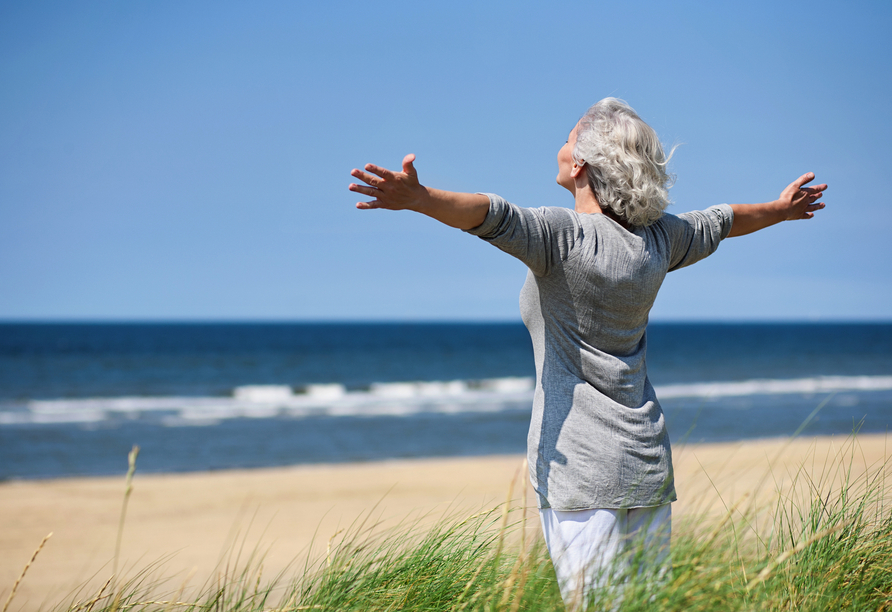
76, 397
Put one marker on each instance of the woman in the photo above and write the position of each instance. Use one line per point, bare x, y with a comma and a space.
598, 451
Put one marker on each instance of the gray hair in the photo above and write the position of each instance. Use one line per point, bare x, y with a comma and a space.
625, 162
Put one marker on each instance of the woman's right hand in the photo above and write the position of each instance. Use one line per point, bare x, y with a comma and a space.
391, 190
402, 191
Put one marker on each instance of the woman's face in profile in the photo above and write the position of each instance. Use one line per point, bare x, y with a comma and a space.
565, 162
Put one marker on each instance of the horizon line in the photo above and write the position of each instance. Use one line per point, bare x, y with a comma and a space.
410, 321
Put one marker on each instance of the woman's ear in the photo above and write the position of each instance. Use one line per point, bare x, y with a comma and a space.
577, 170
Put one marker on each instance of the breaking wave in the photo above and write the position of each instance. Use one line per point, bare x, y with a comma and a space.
379, 399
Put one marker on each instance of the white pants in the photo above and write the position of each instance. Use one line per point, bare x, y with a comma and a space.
593, 549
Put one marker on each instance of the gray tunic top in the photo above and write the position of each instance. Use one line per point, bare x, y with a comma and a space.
597, 437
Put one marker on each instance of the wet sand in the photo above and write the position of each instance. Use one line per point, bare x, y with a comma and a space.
191, 521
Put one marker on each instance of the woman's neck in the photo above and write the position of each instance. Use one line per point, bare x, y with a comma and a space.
587, 203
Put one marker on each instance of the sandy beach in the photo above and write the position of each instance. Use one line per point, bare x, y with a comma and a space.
191, 521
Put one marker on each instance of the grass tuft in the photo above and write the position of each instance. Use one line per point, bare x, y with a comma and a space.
825, 543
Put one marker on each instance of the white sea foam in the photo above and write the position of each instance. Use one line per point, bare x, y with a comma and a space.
79, 416
9, 417
262, 393
382, 399
509, 385
326, 391
180, 421
805, 386
419, 389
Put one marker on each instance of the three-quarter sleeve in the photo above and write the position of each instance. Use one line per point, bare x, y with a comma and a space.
539, 237
696, 235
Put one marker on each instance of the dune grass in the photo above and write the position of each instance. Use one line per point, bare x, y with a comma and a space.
824, 543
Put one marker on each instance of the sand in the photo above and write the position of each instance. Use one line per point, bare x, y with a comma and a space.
190, 521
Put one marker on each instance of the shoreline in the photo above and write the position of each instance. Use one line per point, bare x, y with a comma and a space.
779, 439
190, 520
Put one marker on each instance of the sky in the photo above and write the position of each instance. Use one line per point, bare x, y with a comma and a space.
190, 160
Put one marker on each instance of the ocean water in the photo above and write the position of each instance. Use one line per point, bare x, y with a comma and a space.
74, 398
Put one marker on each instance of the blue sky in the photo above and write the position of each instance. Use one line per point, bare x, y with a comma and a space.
169, 160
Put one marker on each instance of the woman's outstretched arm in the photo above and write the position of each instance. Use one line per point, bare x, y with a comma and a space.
795, 202
402, 191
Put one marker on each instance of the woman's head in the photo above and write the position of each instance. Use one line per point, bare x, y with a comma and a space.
624, 162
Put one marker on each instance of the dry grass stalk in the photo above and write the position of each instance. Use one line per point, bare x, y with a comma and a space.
512, 577
728, 516
128, 488
521, 559
157, 603
180, 591
471, 582
515, 605
789, 553
505, 511
510, 580
257, 583
290, 606
328, 547
89, 605
474, 516
116, 603
523, 519
24, 571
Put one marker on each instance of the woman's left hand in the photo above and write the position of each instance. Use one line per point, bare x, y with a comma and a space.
795, 202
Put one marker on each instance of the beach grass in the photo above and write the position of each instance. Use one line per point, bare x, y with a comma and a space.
823, 542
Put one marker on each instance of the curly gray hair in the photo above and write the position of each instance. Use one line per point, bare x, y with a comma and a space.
625, 162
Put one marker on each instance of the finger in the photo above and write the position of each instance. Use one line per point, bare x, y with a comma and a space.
408, 168
382, 172
369, 191
808, 198
368, 205
805, 178
810, 210
817, 190
365, 177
